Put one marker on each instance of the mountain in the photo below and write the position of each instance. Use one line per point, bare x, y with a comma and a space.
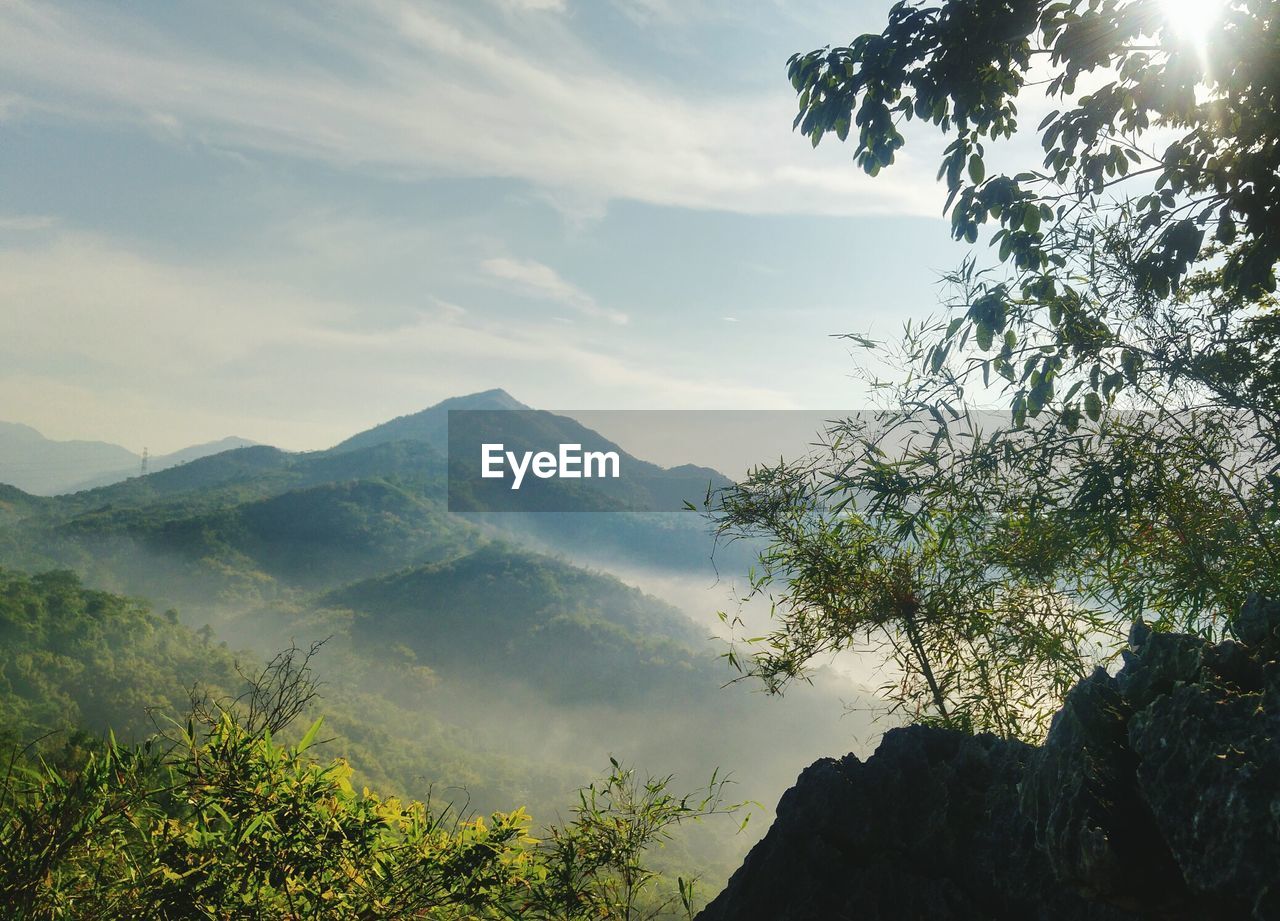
40, 465
74, 658
77, 662
160, 462
636, 485
195, 452
312, 537
409, 453
46, 467
430, 425
493, 653
502, 418
502, 611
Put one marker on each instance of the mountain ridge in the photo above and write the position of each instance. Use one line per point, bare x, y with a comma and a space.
44, 466
429, 425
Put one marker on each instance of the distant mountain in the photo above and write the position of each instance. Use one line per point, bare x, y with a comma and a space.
16, 504
42, 466
484, 651
313, 537
643, 485
166, 461
195, 452
639, 486
259, 472
430, 425
46, 467
375, 503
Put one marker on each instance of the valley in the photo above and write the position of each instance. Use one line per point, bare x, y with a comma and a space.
480, 659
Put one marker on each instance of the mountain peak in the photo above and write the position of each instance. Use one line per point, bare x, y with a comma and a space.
44, 466
17, 430
430, 424
497, 398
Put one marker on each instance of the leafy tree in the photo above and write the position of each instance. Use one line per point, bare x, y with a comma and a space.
960, 65
1127, 322
75, 658
219, 819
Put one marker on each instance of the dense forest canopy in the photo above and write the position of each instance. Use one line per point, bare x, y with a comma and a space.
214, 816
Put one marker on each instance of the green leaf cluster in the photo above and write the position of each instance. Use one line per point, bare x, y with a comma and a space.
218, 819
1128, 326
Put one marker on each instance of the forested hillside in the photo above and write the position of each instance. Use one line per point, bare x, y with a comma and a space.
225, 800
73, 658
463, 656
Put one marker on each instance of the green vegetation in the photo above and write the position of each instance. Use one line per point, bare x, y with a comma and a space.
217, 819
457, 666
1128, 324
317, 535
71, 658
77, 663
521, 615
16, 504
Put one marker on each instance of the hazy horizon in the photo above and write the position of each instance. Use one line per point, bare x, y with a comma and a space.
297, 227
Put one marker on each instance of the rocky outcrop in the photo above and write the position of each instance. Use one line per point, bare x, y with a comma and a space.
927, 828
1160, 787
1156, 795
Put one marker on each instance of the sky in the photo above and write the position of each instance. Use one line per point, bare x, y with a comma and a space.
292, 221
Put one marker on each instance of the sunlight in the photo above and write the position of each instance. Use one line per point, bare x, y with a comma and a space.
1190, 18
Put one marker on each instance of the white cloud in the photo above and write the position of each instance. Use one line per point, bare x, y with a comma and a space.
430, 89
449, 308
26, 222
647, 11
536, 6
529, 278
102, 341
10, 104
105, 304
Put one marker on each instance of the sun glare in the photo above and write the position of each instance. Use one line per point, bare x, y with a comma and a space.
1190, 18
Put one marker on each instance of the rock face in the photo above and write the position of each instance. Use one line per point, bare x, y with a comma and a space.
1156, 795
1160, 787
927, 828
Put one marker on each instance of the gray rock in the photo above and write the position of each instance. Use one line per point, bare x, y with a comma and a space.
1156, 795
1258, 624
927, 828
1159, 788
1080, 792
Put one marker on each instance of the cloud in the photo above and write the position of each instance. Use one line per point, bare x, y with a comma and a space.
10, 103
647, 11
536, 6
104, 341
449, 308
26, 222
92, 300
533, 279
421, 90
